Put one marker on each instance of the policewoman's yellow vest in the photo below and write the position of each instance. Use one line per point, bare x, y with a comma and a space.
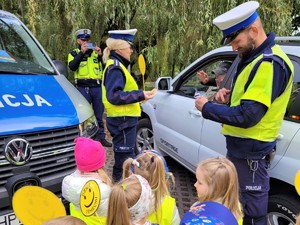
90, 220
132, 109
260, 90
164, 214
90, 69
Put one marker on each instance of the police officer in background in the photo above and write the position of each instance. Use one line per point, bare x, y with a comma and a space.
257, 104
86, 62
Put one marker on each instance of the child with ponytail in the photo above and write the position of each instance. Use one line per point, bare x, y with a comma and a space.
129, 202
152, 166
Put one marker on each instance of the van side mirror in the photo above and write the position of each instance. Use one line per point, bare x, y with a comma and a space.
61, 67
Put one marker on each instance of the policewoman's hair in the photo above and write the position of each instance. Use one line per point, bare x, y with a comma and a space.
151, 166
65, 220
129, 201
222, 180
113, 44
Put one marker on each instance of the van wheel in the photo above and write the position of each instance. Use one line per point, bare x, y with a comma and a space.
282, 210
144, 136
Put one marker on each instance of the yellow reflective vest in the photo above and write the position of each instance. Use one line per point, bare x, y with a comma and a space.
90, 220
90, 69
260, 90
132, 109
164, 214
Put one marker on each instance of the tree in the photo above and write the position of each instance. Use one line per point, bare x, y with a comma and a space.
171, 33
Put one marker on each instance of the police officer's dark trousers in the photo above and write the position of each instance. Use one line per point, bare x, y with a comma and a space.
254, 185
123, 132
94, 96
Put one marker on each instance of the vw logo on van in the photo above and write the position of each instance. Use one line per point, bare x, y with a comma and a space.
18, 151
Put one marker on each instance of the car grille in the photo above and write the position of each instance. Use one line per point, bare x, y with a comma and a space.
53, 153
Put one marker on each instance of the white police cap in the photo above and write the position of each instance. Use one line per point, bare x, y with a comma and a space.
237, 19
83, 33
127, 35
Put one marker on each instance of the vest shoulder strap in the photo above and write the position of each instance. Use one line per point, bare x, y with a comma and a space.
116, 64
74, 52
267, 56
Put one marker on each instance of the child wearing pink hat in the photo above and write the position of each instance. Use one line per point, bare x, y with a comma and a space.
90, 157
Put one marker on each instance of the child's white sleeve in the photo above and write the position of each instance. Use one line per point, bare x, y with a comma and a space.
176, 217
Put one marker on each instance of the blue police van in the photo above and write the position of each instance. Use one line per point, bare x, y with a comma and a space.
41, 113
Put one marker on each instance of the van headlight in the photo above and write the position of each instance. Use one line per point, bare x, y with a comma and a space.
89, 127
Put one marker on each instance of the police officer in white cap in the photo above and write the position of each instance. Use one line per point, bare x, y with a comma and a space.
255, 106
86, 62
121, 96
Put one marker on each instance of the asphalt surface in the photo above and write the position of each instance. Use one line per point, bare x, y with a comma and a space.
184, 191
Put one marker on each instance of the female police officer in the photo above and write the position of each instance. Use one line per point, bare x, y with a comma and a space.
121, 96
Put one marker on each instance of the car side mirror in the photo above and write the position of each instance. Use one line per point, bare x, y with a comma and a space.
61, 67
163, 83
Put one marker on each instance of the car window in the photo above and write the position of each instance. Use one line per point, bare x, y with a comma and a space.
191, 85
293, 107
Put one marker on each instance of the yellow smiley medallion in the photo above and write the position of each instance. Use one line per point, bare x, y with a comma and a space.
90, 198
35, 205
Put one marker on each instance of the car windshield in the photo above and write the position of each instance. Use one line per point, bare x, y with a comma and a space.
19, 53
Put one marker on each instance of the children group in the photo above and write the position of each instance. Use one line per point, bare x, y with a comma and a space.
142, 195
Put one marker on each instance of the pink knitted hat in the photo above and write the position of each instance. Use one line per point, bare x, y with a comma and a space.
90, 155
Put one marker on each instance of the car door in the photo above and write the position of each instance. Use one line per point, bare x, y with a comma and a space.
179, 127
287, 138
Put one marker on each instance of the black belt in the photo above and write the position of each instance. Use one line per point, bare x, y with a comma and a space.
88, 82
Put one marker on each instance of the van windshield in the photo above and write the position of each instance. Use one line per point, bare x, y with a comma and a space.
19, 52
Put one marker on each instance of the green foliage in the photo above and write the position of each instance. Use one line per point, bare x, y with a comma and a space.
171, 33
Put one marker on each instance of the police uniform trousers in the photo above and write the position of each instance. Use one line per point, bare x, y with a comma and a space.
94, 96
254, 186
123, 132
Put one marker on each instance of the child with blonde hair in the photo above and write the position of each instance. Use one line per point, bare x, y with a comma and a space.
217, 181
90, 157
65, 220
129, 202
152, 166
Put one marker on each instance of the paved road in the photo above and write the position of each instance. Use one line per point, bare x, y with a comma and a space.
184, 190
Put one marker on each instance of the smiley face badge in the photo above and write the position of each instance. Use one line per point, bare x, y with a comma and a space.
35, 205
90, 198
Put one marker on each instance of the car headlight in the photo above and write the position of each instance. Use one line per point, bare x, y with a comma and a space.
89, 127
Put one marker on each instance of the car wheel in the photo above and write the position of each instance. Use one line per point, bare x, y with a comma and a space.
144, 136
282, 210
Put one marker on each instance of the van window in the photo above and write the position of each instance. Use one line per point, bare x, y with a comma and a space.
19, 53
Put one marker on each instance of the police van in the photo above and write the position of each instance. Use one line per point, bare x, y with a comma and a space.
41, 113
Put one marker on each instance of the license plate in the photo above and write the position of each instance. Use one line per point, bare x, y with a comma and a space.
9, 219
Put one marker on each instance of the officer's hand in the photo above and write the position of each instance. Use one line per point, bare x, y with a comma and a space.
84, 47
98, 50
149, 94
200, 101
203, 77
222, 96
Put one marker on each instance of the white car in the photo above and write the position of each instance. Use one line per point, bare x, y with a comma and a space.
171, 124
